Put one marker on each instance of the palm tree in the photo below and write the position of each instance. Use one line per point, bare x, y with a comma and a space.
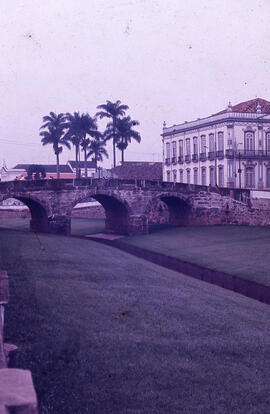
125, 133
54, 127
96, 148
78, 126
113, 110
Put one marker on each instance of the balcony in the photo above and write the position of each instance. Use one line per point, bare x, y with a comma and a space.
220, 155
203, 156
211, 155
174, 160
180, 159
187, 158
195, 157
167, 161
244, 154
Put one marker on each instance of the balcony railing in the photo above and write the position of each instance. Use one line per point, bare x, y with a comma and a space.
220, 154
180, 159
203, 156
167, 161
187, 158
211, 155
263, 154
173, 160
194, 157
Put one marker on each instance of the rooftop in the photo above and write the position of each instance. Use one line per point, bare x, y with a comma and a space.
49, 168
138, 170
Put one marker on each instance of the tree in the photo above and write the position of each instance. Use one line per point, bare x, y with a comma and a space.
54, 127
125, 133
37, 170
113, 110
96, 148
78, 126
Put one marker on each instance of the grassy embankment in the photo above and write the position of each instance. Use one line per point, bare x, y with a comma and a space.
105, 332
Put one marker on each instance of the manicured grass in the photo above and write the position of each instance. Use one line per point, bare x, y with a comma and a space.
105, 332
79, 226
239, 250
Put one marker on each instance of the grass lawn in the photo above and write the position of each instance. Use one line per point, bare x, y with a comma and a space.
105, 332
79, 226
240, 250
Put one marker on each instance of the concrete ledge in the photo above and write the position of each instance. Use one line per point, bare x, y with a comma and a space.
17, 393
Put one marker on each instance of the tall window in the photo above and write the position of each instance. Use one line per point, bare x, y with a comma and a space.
188, 146
250, 179
188, 176
195, 174
230, 170
249, 142
212, 176
181, 150
220, 141
181, 175
268, 177
195, 146
203, 144
221, 176
174, 149
203, 176
174, 176
267, 143
168, 176
211, 143
168, 150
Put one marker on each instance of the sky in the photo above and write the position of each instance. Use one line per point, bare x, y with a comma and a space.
171, 61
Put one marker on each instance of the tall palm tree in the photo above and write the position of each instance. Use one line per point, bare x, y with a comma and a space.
125, 133
85, 144
54, 126
78, 126
96, 148
113, 110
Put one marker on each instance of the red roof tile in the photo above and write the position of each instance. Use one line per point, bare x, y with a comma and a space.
250, 106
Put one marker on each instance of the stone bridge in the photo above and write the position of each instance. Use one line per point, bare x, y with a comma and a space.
127, 203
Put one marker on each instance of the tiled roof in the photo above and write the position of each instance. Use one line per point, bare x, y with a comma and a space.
50, 168
250, 106
140, 170
90, 164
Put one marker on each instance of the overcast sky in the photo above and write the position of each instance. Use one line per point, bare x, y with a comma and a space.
168, 60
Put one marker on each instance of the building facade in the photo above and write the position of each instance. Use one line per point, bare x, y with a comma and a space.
227, 149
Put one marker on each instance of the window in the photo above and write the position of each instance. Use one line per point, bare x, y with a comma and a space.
187, 146
249, 142
268, 177
203, 144
212, 176
230, 170
220, 141
250, 179
188, 176
195, 175
221, 176
211, 143
181, 152
174, 149
174, 176
195, 146
181, 173
168, 150
168, 176
267, 143
203, 176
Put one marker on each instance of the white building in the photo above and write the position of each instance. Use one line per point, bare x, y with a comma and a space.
228, 149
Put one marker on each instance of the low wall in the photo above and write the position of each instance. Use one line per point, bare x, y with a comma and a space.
17, 393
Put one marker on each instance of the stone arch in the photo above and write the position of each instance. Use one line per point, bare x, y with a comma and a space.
117, 211
178, 207
39, 221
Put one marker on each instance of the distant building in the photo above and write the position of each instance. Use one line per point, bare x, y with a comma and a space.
138, 170
230, 148
91, 167
19, 172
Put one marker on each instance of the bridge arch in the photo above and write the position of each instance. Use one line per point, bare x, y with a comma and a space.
178, 208
39, 221
117, 211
